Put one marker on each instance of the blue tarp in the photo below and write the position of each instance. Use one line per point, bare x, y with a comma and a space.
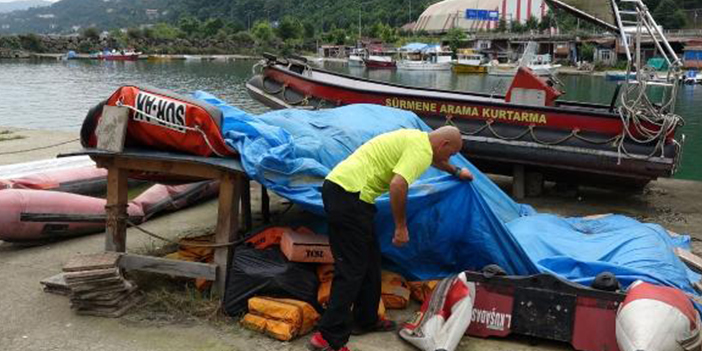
414, 47
453, 225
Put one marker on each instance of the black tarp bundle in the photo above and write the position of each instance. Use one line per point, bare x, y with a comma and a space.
267, 272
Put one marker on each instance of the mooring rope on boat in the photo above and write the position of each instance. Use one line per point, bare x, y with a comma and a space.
39, 148
173, 125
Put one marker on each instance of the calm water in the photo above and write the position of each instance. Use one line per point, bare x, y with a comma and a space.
57, 94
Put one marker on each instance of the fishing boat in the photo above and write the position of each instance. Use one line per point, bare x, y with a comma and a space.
379, 57
424, 57
469, 61
356, 57
540, 64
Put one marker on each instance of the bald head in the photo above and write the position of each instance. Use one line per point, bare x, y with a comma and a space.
445, 142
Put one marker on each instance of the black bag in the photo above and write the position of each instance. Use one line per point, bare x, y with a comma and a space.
258, 272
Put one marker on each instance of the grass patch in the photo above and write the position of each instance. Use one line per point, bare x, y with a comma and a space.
169, 301
6, 135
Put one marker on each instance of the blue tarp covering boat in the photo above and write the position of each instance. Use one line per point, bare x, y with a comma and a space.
453, 225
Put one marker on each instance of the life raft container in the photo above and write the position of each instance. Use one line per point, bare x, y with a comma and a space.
163, 120
657, 318
444, 317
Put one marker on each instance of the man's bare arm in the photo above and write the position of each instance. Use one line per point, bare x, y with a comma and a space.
398, 201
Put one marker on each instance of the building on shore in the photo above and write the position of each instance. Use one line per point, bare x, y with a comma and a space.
477, 15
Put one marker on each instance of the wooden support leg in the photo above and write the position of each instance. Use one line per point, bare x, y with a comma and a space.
518, 182
246, 203
534, 184
265, 205
116, 209
227, 224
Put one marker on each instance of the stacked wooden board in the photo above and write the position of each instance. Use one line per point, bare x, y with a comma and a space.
97, 286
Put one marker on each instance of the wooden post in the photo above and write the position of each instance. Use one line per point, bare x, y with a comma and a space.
116, 209
227, 224
265, 205
246, 203
518, 182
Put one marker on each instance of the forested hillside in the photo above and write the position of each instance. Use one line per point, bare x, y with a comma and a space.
66, 16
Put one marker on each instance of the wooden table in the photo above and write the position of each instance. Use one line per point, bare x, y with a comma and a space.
234, 186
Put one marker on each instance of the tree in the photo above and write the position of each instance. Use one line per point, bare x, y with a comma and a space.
517, 27
532, 23
501, 26
263, 32
31, 42
90, 33
189, 25
669, 15
165, 31
388, 34
134, 33
310, 31
454, 37
212, 26
587, 52
290, 28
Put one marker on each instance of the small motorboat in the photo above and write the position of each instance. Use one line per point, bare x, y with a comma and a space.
356, 57
424, 57
469, 61
77, 174
379, 57
122, 55
539, 64
42, 215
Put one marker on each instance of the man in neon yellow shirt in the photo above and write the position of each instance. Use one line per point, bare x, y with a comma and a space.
388, 162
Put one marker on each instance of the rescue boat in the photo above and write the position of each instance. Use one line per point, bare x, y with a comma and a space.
30, 215
77, 174
529, 125
628, 142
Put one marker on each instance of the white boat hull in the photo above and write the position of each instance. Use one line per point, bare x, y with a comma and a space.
512, 70
424, 66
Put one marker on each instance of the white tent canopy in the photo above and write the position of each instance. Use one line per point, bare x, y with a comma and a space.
444, 15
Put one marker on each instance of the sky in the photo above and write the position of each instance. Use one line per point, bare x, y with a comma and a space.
17, 0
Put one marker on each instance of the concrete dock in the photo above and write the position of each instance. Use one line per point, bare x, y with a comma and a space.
34, 320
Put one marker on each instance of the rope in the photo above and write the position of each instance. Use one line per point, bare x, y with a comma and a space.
304, 101
173, 125
39, 148
231, 243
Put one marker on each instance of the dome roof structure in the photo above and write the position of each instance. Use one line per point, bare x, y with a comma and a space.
476, 15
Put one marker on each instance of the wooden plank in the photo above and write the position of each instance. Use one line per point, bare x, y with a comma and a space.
162, 166
116, 209
518, 182
67, 217
111, 130
691, 260
168, 266
265, 205
227, 224
246, 203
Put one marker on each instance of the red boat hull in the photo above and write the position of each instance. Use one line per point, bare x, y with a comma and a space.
567, 139
379, 64
120, 57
